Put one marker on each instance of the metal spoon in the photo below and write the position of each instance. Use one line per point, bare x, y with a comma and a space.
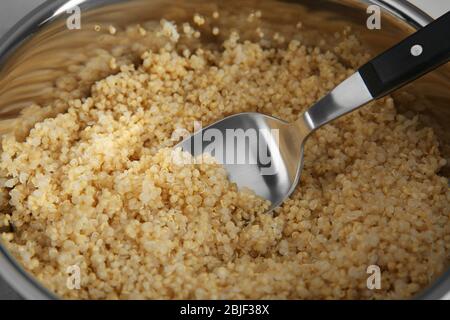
232, 140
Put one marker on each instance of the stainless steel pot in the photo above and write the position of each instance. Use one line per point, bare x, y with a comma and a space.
38, 49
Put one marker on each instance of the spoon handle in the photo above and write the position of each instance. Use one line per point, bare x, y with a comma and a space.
416, 55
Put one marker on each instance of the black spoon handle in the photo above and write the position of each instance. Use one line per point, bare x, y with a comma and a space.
418, 54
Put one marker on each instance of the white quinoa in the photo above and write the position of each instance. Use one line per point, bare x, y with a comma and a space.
215, 31
169, 30
94, 185
112, 30
199, 20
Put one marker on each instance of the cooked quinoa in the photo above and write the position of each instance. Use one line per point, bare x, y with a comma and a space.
94, 185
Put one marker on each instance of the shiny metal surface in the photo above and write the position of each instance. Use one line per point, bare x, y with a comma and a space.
39, 49
404, 10
351, 94
20, 280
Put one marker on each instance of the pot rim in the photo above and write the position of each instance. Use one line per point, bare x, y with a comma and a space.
11, 271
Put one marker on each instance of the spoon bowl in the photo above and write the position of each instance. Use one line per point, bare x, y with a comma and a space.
258, 152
